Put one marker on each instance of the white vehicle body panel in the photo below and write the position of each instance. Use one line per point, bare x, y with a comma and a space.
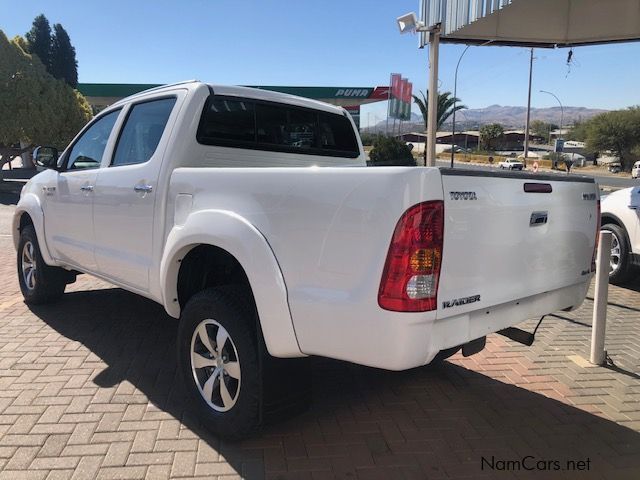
624, 206
313, 241
71, 235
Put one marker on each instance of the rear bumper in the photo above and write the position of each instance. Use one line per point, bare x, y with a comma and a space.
400, 341
453, 331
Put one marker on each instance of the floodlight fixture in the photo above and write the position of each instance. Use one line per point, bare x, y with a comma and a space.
409, 23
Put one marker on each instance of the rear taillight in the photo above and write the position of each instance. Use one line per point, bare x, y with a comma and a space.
412, 270
595, 245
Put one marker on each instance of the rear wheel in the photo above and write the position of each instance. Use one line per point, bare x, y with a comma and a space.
39, 282
620, 269
218, 359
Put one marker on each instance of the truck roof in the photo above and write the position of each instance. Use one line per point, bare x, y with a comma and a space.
246, 92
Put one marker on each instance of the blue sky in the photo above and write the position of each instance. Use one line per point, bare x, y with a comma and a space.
328, 42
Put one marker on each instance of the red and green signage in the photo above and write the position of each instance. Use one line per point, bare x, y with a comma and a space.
400, 97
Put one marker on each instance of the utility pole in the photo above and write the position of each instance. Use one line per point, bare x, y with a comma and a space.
526, 127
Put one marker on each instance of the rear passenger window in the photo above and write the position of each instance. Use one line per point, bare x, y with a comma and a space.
288, 127
336, 133
142, 131
228, 120
270, 126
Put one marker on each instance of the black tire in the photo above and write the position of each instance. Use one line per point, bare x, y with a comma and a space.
238, 318
624, 269
46, 283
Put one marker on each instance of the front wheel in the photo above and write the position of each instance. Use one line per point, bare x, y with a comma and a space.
218, 359
620, 269
40, 283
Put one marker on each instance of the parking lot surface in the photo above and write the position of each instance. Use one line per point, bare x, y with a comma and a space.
89, 389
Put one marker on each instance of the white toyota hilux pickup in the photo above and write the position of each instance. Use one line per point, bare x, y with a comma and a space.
252, 217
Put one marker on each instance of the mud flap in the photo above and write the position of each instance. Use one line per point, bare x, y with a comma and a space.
286, 385
474, 346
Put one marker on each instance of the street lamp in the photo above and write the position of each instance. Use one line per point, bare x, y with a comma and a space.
561, 108
555, 163
455, 100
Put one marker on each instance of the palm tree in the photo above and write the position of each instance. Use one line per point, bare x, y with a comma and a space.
446, 108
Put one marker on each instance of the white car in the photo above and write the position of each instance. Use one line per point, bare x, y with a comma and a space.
635, 171
511, 164
251, 216
621, 217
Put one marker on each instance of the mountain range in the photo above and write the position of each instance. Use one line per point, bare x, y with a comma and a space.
508, 117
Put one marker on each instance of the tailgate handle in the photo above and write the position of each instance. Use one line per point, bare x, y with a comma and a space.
538, 218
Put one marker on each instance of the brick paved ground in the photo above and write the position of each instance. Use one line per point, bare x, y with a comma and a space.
88, 389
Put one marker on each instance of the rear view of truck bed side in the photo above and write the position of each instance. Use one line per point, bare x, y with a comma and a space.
512, 247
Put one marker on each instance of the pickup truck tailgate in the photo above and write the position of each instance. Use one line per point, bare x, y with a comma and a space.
511, 235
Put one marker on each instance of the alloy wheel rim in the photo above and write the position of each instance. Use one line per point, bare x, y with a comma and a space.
614, 262
29, 265
215, 365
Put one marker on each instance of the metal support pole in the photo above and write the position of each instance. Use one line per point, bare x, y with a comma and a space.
432, 127
526, 127
601, 297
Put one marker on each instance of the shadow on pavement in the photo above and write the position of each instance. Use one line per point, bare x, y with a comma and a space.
633, 285
433, 422
8, 198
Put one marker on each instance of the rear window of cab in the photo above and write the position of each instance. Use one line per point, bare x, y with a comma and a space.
255, 124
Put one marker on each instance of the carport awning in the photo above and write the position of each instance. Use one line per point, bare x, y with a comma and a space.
536, 23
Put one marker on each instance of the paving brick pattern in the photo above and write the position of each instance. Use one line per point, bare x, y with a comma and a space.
88, 389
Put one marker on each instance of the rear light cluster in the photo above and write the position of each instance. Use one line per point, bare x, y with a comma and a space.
412, 269
595, 245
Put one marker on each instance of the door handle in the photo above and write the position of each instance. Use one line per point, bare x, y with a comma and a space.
143, 188
87, 188
538, 218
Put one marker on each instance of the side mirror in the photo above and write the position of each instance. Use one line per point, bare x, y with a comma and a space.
46, 157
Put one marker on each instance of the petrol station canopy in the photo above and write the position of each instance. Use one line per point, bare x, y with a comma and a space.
534, 23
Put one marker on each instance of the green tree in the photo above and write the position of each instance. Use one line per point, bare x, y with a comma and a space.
579, 131
63, 57
618, 132
390, 151
444, 111
36, 108
490, 135
445, 107
368, 138
21, 42
39, 39
542, 129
